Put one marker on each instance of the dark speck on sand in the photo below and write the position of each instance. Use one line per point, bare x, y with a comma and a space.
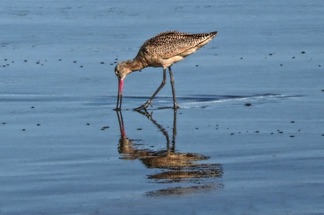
104, 128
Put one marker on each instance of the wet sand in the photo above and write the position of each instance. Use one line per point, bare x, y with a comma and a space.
248, 138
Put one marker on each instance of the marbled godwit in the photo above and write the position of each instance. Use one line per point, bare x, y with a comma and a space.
163, 50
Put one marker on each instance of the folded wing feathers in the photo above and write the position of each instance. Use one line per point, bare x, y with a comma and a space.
171, 43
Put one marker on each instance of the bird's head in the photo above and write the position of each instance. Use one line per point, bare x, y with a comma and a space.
122, 69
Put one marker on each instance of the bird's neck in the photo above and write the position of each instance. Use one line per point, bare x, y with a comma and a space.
136, 64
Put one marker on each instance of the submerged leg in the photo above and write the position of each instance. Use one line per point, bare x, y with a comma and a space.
175, 106
146, 104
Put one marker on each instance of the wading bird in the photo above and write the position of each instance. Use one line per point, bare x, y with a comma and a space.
163, 50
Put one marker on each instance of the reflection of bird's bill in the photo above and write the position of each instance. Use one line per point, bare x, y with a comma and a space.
121, 124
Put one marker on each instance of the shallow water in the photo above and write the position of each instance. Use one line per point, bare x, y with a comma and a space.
247, 139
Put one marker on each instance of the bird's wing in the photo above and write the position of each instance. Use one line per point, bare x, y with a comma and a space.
172, 43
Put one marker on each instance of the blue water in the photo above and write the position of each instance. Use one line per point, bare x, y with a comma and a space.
247, 138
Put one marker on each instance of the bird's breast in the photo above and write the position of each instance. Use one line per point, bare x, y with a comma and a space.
172, 60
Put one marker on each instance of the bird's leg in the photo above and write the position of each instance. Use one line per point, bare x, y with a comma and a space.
149, 101
175, 106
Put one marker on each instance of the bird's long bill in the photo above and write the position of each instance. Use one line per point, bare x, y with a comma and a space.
120, 94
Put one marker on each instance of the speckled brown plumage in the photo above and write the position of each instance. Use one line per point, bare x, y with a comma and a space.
171, 43
163, 50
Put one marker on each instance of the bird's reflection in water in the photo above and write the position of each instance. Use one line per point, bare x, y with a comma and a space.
175, 166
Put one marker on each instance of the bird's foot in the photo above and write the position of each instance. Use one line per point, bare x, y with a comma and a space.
145, 113
176, 107
143, 106
148, 103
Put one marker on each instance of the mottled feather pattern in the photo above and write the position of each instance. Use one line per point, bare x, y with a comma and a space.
163, 50
172, 43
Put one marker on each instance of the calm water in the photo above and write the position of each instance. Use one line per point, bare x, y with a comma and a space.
246, 140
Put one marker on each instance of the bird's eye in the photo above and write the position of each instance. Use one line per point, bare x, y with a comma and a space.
116, 71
